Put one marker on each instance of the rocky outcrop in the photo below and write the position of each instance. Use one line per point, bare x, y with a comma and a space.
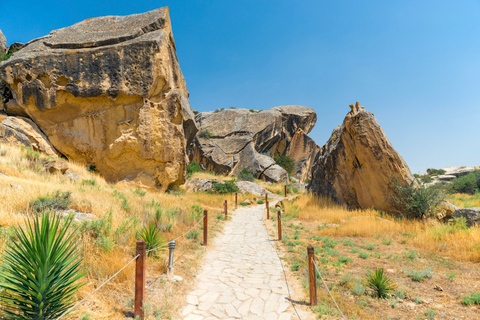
18, 130
108, 92
358, 164
231, 140
206, 185
471, 215
3, 44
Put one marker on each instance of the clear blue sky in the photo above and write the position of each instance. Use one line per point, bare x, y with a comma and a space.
414, 64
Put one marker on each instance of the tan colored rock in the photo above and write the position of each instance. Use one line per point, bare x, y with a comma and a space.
56, 166
24, 131
3, 44
358, 164
109, 92
303, 150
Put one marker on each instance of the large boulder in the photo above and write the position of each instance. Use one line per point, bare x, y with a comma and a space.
18, 130
231, 140
3, 44
109, 92
358, 164
471, 215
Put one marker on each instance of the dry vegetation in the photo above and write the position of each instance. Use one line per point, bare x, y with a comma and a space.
110, 243
420, 256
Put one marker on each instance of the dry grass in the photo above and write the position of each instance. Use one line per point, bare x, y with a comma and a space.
456, 243
26, 180
465, 200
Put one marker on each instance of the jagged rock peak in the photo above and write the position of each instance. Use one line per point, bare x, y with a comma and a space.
358, 164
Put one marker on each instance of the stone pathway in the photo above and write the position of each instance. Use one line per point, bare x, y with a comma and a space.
242, 277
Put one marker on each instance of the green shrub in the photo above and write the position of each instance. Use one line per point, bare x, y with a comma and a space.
430, 314
204, 134
415, 202
30, 154
193, 167
469, 183
363, 255
473, 298
227, 187
193, 234
245, 175
420, 274
369, 246
381, 285
358, 289
125, 205
56, 201
153, 238
40, 273
387, 241
139, 192
286, 163
89, 182
435, 172
244, 204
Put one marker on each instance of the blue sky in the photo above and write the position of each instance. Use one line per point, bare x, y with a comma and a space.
414, 64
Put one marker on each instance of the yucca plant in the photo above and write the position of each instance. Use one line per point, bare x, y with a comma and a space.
153, 238
41, 270
381, 285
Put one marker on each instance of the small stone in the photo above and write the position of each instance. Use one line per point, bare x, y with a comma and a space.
437, 287
55, 166
15, 186
72, 176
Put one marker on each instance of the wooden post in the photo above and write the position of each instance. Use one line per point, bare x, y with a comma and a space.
139, 280
236, 200
279, 223
268, 210
205, 227
225, 209
266, 197
311, 276
285, 190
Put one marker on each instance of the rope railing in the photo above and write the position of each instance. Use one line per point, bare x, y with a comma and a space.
127, 264
328, 290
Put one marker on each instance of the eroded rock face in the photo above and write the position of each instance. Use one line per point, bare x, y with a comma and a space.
3, 43
18, 130
231, 140
358, 164
108, 92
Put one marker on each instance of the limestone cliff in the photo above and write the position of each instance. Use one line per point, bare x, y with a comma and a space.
358, 164
108, 92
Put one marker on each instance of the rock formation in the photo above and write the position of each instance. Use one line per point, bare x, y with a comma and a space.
108, 92
18, 130
358, 164
3, 44
231, 140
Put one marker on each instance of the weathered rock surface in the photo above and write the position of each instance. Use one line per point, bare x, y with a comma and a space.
199, 184
445, 209
358, 164
253, 188
231, 140
206, 185
109, 92
24, 131
56, 166
3, 43
472, 215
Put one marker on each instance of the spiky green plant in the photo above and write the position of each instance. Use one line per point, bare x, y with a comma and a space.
153, 238
380, 283
41, 271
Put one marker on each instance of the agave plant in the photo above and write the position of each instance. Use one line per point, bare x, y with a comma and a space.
41, 270
153, 238
381, 284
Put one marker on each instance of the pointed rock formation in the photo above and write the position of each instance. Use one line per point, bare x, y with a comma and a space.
108, 92
3, 44
358, 164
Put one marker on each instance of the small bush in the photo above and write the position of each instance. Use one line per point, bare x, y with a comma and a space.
193, 167
420, 274
381, 285
435, 172
56, 201
227, 187
363, 255
415, 202
469, 183
245, 175
473, 298
30, 154
387, 241
89, 182
430, 314
153, 238
358, 289
369, 246
204, 134
193, 234
411, 254
286, 163
244, 204
139, 192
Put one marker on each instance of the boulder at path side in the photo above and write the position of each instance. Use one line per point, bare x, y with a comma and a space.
108, 92
358, 164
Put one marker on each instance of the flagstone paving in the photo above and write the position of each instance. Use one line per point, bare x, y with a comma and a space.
242, 277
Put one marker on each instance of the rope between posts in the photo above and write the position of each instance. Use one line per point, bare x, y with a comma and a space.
109, 279
283, 268
326, 287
